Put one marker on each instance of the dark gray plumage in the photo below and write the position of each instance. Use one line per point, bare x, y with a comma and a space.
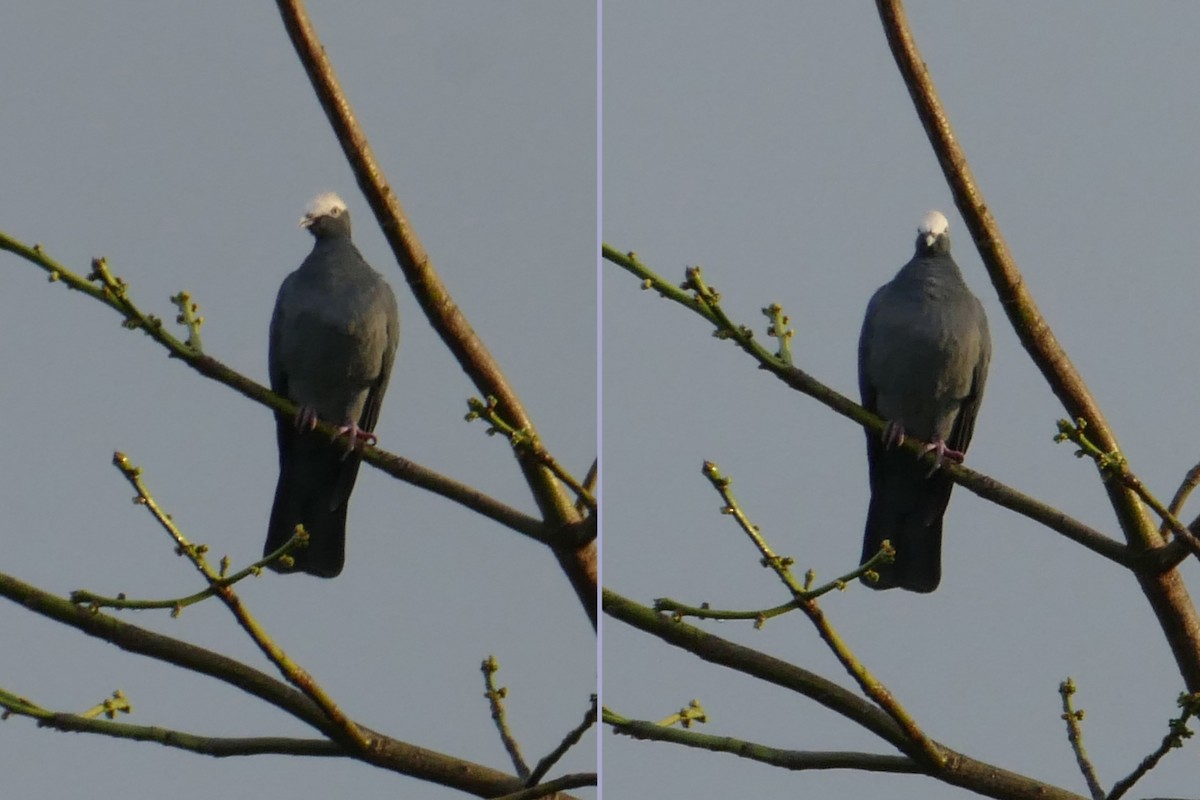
922, 364
333, 338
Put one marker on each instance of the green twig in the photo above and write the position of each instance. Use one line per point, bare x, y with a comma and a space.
350, 732
870, 685
1075, 735
189, 317
679, 610
787, 759
495, 697
570, 740
177, 604
1177, 732
526, 440
1113, 465
779, 330
1190, 482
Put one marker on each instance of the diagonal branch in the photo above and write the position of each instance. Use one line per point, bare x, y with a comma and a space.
347, 731
957, 770
704, 302
1166, 592
557, 507
385, 752
110, 290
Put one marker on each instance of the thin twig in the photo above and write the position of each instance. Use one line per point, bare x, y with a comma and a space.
872, 686
177, 604
1075, 735
295, 674
1177, 731
495, 697
776, 757
570, 740
1190, 482
525, 439
1114, 465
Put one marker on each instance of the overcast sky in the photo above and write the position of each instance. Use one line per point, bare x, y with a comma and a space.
779, 150
183, 142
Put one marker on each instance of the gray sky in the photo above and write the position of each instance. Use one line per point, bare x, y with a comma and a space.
779, 150
183, 142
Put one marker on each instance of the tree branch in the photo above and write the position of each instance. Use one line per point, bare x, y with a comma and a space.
776, 757
1166, 591
113, 292
578, 562
385, 752
957, 769
704, 301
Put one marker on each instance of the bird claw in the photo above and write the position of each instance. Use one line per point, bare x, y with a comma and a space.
893, 435
306, 419
354, 437
941, 453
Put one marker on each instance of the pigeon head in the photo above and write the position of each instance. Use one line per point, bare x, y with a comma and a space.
933, 234
326, 216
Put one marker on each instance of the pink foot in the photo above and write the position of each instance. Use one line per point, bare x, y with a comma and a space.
941, 453
354, 436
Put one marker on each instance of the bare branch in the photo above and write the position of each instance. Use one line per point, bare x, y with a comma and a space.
1166, 591
578, 562
776, 757
570, 740
1075, 735
495, 697
958, 769
113, 292
1190, 482
703, 301
347, 731
1177, 731
385, 752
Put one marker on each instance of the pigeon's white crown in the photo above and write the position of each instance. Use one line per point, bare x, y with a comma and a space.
323, 205
933, 225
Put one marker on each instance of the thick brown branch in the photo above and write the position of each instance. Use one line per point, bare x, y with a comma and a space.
557, 507
1166, 591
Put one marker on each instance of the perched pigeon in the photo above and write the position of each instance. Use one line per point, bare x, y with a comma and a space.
333, 338
922, 364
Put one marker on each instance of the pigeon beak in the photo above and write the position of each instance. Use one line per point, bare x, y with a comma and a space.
307, 220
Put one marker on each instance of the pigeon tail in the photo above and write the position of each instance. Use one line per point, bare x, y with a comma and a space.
906, 508
315, 480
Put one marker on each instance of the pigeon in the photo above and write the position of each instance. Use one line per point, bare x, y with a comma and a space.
333, 339
922, 363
